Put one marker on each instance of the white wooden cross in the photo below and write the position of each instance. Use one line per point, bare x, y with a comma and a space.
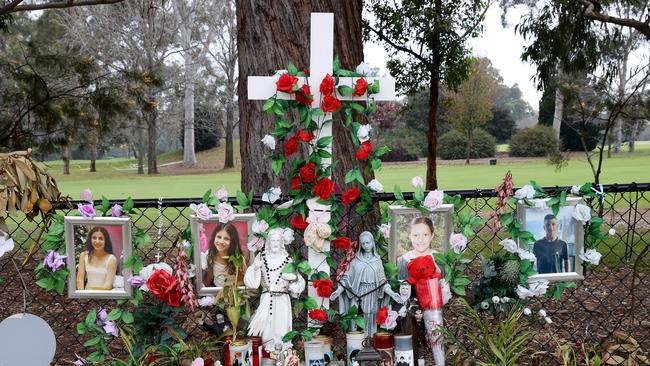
321, 58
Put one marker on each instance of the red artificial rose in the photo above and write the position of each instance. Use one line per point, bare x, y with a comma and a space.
324, 288
291, 146
308, 172
382, 315
304, 96
306, 71
351, 195
327, 85
330, 104
342, 242
323, 188
305, 136
318, 314
286, 83
164, 287
299, 222
360, 88
295, 184
364, 151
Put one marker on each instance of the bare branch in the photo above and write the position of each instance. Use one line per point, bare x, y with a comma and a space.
590, 13
14, 6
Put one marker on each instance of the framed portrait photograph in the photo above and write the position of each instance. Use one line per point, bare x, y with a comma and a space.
558, 239
214, 242
96, 250
414, 234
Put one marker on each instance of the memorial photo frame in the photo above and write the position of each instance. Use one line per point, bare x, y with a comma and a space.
96, 250
206, 238
559, 239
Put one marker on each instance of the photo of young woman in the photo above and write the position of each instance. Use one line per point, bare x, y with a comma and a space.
97, 263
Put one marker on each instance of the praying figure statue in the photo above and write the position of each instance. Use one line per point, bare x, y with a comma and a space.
273, 318
364, 285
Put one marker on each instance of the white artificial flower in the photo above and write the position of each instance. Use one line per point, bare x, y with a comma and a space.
527, 311
287, 235
538, 287
255, 244
524, 293
485, 305
446, 291
509, 245
391, 320
260, 226
363, 68
201, 210
505, 299
540, 205
207, 301
433, 199
548, 320
147, 271
272, 195
6, 243
185, 244
458, 242
269, 141
582, 213
541, 312
281, 71
225, 212
363, 133
611, 232
575, 190
375, 186
384, 229
526, 191
495, 299
286, 205
523, 254
417, 181
221, 194
591, 256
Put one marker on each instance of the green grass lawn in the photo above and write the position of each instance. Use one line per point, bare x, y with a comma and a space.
116, 179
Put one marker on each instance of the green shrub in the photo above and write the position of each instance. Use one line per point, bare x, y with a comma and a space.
453, 145
535, 141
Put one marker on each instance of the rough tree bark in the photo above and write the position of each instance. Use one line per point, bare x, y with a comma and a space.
141, 148
94, 141
270, 34
152, 163
67, 155
557, 115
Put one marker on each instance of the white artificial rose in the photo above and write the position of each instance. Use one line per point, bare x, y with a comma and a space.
526, 191
260, 226
542, 312
201, 210
538, 287
221, 194
417, 181
527, 311
591, 256
509, 245
363, 68
269, 141
575, 190
363, 133
207, 301
384, 229
523, 254
6, 243
524, 293
225, 212
495, 299
375, 186
458, 242
433, 199
582, 213
272, 195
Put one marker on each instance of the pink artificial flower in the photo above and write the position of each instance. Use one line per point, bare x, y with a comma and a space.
225, 212
434, 199
221, 194
87, 211
54, 260
198, 362
86, 195
201, 210
116, 210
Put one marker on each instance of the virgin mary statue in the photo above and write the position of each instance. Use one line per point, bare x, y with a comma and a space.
364, 285
272, 319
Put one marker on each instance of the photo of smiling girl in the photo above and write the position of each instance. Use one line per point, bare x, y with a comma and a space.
222, 245
97, 264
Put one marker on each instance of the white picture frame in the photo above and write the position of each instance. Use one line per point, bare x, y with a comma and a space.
78, 238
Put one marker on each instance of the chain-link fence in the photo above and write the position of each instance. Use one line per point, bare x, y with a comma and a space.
609, 309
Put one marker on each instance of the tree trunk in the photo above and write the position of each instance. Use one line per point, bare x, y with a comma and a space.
469, 147
263, 49
189, 155
230, 116
152, 165
617, 132
67, 155
141, 149
557, 115
93, 149
432, 133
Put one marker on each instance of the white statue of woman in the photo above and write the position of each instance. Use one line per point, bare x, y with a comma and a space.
273, 318
364, 285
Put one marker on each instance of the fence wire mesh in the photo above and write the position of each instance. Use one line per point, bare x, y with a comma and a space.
609, 309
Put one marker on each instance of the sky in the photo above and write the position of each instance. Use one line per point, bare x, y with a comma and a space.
501, 45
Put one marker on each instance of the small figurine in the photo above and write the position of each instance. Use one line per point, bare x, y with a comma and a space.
364, 285
273, 317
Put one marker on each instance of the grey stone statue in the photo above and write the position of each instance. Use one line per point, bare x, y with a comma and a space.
364, 285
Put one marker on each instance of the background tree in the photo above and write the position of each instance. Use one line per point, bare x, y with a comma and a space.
501, 126
426, 45
261, 52
470, 107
